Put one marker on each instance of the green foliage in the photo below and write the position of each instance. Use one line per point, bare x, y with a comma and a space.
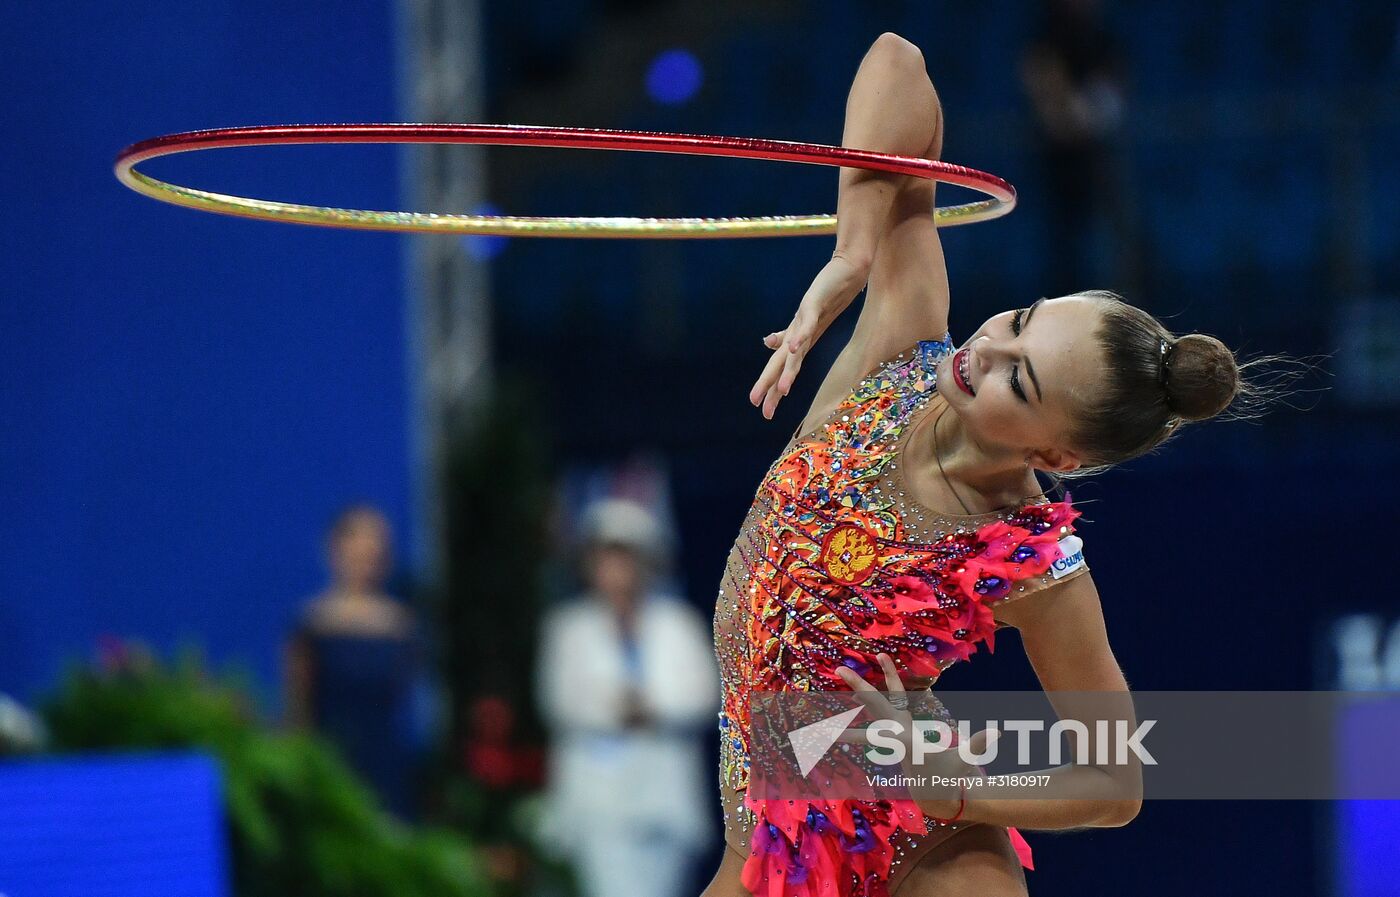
300, 821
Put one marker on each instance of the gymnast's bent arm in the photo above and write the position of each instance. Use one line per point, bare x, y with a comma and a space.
885, 235
1065, 638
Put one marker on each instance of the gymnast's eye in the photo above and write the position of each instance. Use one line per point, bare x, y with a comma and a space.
1015, 384
1015, 371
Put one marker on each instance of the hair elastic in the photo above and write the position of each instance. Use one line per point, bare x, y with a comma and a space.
1165, 348
1164, 351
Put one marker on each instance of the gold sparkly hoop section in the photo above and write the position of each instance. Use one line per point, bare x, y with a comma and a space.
1002, 196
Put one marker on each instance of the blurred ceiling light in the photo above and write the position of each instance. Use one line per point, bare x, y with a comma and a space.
674, 77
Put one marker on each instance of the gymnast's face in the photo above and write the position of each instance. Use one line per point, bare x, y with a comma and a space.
1029, 368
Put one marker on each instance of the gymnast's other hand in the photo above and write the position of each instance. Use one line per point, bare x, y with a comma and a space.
942, 765
831, 293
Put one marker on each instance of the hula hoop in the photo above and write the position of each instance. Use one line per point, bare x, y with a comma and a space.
1002, 196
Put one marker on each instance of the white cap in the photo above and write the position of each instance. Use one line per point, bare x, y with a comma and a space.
620, 521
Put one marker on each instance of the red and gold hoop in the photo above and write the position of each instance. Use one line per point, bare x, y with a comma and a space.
1001, 195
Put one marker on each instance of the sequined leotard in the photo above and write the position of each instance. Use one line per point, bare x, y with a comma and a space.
835, 563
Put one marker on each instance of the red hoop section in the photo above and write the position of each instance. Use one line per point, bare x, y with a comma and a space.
1002, 196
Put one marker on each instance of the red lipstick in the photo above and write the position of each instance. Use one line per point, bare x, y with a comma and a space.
960, 358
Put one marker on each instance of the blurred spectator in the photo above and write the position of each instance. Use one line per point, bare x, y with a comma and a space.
627, 683
1074, 74
353, 661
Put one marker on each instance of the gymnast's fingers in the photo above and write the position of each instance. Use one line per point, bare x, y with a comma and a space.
772, 376
771, 370
856, 735
790, 369
801, 333
866, 693
798, 339
893, 683
770, 403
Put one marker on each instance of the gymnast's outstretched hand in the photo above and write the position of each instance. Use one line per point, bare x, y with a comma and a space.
832, 291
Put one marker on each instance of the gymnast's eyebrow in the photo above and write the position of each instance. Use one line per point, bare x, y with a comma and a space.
1029, 369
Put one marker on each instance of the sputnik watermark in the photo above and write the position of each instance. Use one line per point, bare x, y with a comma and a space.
905, 781
1115, 747
1176, 745
971, 783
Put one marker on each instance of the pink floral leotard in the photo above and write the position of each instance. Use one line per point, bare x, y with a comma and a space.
835, 563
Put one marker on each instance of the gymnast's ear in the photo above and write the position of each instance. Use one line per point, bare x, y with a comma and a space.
1054, 460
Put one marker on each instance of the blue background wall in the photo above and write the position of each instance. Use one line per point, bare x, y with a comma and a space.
185, 399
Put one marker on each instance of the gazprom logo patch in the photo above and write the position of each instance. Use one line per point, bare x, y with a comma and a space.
1072, 547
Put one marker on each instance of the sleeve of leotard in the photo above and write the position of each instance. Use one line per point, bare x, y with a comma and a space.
1070, 565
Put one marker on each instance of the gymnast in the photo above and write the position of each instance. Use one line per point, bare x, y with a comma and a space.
915, 450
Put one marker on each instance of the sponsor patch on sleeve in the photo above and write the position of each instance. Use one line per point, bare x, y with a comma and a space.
1072, 547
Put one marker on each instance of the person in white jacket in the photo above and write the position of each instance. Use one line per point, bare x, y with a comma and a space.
628, 685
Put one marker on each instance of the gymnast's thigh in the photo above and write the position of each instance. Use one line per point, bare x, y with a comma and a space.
976, 860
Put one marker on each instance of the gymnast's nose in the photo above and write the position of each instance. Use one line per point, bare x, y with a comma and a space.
983, 354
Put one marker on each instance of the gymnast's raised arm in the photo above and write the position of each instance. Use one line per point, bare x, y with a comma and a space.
885, 236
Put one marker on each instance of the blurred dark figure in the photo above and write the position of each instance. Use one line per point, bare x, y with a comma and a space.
503, 773
353, 662
1075, 76
628, 683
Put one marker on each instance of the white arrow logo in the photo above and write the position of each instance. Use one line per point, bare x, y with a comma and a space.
810, 743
